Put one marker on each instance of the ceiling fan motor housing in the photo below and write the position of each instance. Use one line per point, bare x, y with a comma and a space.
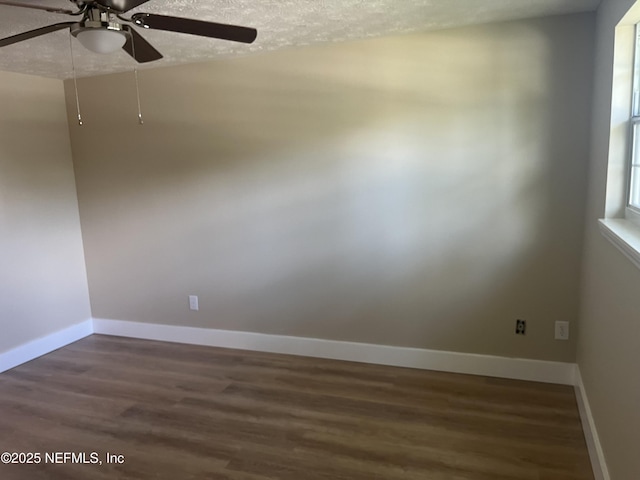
99, 33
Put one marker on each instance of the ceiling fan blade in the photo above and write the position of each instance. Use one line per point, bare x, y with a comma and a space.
121, 5
38, 7
196, 27
136, 46
34, 33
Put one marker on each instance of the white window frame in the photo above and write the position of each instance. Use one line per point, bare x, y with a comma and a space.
621, 225
632, 212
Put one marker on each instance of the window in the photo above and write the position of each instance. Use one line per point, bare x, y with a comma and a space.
633, 188
621, 225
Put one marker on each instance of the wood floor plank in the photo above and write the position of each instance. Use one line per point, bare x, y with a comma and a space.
188, 412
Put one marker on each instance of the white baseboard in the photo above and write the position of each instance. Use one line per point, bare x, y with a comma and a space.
596, 454
41, 346
515, 368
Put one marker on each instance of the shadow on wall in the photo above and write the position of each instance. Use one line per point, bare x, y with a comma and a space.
422, 190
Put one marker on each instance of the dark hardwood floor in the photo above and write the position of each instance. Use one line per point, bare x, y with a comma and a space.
183, 412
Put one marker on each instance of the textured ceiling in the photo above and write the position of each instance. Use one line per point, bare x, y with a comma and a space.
280, 23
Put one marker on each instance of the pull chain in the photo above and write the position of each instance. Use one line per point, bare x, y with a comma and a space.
135, 74
75, 80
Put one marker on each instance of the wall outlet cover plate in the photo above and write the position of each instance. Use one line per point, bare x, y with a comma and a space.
562, 330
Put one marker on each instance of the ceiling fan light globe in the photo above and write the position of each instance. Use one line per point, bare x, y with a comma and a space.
100, 40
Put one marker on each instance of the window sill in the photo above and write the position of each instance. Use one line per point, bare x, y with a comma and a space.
625, 235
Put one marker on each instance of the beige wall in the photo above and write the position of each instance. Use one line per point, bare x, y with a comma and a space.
609, 340
422, 190
43, 285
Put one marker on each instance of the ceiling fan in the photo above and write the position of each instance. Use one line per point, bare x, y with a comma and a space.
102, 27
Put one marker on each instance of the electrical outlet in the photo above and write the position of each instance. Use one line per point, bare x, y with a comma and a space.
521, 327
193, 302
562, 331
